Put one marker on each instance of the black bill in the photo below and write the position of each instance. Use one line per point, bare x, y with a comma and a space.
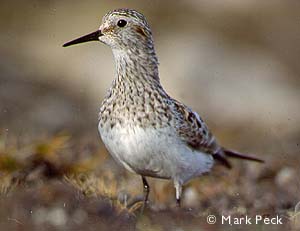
94, 36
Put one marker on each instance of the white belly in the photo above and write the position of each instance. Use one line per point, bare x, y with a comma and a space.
154, 152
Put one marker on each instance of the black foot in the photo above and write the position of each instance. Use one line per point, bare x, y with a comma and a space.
178, 203
146, 193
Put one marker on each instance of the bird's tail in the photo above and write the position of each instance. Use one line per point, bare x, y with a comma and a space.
234, 154
224, 153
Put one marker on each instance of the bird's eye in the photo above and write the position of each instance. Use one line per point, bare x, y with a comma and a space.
121, 23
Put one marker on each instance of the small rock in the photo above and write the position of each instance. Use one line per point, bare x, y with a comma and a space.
57, 217
191, 197
285, 176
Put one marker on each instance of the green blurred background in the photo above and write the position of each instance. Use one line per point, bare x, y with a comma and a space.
234, 62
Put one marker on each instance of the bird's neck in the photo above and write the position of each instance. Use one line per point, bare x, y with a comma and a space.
135, 66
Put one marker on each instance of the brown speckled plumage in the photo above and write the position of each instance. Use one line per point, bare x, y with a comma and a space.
143, 128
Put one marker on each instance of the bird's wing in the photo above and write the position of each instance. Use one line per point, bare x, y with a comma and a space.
193, 131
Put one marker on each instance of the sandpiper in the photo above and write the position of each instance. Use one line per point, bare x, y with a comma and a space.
142, 127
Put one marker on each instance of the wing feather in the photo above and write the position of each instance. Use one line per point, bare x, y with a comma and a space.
192, 130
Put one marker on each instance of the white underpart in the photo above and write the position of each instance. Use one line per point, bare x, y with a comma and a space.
155, 152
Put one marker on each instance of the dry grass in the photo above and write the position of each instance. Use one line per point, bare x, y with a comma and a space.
84, 170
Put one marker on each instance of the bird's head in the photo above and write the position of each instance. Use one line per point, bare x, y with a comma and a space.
121, 29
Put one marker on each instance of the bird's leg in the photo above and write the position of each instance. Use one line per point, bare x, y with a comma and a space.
178, 188
146, 191
178, 202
